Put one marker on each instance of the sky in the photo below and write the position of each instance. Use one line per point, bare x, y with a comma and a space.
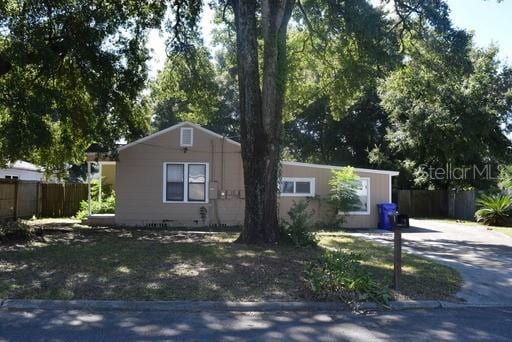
489, 20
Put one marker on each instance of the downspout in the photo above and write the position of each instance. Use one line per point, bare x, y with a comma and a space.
222, 165
214, 201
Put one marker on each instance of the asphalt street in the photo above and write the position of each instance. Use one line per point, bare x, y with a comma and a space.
478, 324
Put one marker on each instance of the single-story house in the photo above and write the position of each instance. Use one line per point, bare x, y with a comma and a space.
22, 170
187, 175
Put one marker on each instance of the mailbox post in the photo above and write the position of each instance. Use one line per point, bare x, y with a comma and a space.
399, 222
397, 250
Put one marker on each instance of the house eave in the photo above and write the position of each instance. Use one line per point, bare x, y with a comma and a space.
335, 167
169, 129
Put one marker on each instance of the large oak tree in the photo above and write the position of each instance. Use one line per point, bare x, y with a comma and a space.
261, 41
71, 71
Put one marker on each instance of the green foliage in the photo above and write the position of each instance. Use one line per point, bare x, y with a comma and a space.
494, 210
185, 90
108, 201
448, 104
299, 231
71, 73
337, 274
314, 135
336, 57
191, 88
344, 186
505, 176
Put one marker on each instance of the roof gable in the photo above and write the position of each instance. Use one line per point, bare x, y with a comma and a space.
169, 129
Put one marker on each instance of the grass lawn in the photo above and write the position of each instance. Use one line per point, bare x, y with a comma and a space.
422, 278
84, 263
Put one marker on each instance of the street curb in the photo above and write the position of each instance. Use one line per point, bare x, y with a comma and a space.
172, 305
194, 306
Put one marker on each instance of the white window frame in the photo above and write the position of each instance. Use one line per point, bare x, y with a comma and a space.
369, 206
311, 181
185, 182
12, 177
182, 144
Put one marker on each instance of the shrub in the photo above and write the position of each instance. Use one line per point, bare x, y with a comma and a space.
337, 274
299, 231
344, 186
108, 201
108, 206
494, 209
15, 231
505, 177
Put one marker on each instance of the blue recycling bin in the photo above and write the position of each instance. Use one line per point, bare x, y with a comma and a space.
386, 209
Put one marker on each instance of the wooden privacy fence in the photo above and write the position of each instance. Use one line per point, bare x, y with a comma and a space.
437, 203
24, 199
62, 200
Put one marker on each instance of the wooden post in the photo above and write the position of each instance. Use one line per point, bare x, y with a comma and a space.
89, 209
15, 207
99, 184
37, 198
397, 264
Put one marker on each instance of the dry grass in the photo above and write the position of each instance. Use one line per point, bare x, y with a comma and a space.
422, 278
147, 265
75, 262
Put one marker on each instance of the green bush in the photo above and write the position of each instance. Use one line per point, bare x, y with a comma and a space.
340, 275
299, 231
505, 177
494, 209
108, 206
343, 198
108, 202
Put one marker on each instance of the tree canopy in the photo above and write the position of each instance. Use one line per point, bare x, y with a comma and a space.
71, 73
449, 103
338, 81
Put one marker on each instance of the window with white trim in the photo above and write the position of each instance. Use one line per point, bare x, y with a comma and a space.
11, 177
186, 136
363, 193
297, 187
185, 182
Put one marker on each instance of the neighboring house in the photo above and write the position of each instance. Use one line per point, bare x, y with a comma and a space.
22, 170
186, 175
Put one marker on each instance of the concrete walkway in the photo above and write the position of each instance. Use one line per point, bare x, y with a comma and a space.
483, 257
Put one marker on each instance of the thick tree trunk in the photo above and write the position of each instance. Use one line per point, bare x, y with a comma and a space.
261, 111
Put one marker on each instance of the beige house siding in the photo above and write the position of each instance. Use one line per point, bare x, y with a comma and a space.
140, 183
108, 174
379, 186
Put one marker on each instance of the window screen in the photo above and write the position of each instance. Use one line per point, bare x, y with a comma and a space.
298, 187
197, 182
302, 187
175, 182
362, 193
287, 187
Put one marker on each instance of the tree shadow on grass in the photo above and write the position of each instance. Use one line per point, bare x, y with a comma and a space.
131, 264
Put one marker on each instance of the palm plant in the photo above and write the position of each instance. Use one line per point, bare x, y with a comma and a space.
494, 209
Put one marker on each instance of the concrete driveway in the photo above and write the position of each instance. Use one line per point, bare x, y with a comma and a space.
483, 257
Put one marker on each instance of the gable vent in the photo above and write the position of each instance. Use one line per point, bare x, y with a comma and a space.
186, 137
